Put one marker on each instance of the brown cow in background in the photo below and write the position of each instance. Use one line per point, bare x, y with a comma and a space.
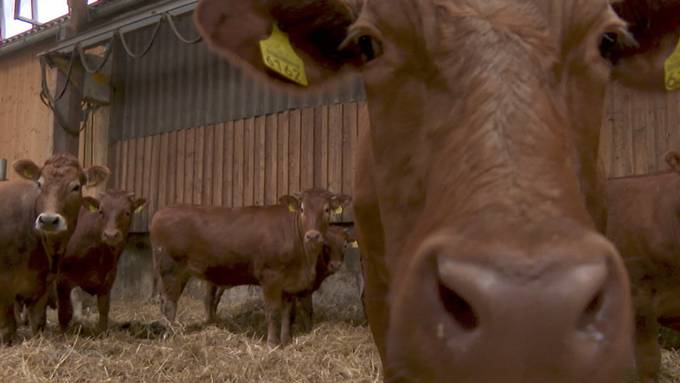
644, 223
91, 258
275, 247
330, 261
477, 189
38, 214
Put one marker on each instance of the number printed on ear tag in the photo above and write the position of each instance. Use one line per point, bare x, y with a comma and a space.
278, 55
672, 69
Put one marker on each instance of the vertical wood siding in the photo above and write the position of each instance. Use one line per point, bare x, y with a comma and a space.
639, 128
25, 123
246, 162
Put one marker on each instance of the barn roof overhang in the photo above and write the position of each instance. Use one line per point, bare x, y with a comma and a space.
103, 10
129, 22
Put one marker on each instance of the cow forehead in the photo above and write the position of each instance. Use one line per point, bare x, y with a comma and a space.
61, 174
424, 17
115, 201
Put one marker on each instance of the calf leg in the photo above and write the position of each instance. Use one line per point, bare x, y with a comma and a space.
304, 310
37, 314
64, 306
273, 302
103, 305
286, 309
8, 324
647, 350
213, 293
173, 277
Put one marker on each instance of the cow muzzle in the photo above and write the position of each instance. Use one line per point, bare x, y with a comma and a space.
112, 237
496, 313
313, 237
50, 223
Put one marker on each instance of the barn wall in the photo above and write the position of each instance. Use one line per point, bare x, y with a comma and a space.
25, 123
246, 162
639, 128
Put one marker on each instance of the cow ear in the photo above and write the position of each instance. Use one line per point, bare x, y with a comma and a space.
673, 160
96, 175
292, 202
310, 31
652, 62
338, 202
138, 205
27, 169
91, 204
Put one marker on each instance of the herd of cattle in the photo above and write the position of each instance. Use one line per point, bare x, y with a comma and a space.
480, 203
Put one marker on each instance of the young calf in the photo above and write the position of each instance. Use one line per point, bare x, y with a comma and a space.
92, 255
275, 247
645, 226
330, 261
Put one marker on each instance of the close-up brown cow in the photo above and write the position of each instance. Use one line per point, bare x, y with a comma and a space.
644, 223
478, 191
91, 258
38, 215
276, 247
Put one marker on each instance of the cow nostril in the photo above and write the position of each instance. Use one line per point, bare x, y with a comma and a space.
459, 309
591, 314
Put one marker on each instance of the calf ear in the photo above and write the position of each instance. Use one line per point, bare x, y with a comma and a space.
96, 175
292, 202
27, 169
316, 29
339, 201
673, 160
655, 26
91, 204
138, 205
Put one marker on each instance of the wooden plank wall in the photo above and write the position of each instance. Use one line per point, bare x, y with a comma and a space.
25, 123
245, 162
639, 128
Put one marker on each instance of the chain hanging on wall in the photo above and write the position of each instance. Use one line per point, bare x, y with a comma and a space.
50, 101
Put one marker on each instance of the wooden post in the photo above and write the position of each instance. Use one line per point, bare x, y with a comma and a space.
66, 138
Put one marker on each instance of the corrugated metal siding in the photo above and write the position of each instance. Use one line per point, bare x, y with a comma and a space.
639, 128
245, 162
25, 123
179, 86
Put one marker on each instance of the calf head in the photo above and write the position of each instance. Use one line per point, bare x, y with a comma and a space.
314, 208
485, 119
116, 211
60, 182
337, 240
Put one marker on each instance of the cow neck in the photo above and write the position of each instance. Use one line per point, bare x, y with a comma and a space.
309, 259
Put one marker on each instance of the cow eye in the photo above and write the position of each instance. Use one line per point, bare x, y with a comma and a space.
370, 49
75, 188
608, 44
127, 214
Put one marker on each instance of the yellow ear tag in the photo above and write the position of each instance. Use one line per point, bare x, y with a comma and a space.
291, 208
278, 55
354, 244
92, 208
338, 210
672, 69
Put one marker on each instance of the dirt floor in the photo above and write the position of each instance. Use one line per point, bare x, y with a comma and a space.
140, 348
